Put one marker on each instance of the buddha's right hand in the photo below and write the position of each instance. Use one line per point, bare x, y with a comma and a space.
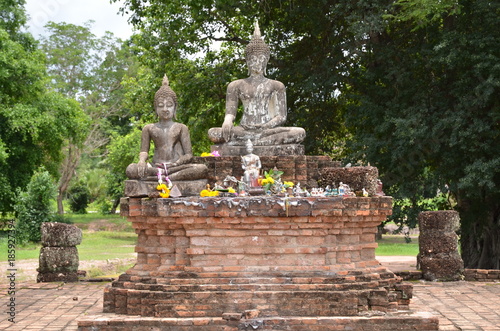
227, 126
141, 169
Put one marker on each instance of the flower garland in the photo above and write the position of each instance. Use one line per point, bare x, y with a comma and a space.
209, 193
162, 187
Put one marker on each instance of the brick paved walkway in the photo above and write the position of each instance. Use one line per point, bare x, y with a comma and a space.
51, 306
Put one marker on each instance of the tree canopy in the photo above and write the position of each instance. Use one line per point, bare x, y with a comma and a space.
88, 69
427, 114
200, 45
34, 122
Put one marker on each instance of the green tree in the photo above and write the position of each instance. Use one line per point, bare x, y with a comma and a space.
122, 151
88, 69
12, 19
308, 41
34, 122
426, 111
33, 206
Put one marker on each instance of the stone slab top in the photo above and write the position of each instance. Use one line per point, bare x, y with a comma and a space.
267, 206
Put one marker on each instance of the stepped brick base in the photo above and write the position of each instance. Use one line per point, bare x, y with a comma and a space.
410, 321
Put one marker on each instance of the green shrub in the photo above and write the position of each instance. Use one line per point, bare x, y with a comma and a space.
79, 197
33, 206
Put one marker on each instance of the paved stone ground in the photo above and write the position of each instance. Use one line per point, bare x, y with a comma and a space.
55, 306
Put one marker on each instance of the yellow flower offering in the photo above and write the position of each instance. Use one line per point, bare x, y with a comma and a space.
164, 190
161, 187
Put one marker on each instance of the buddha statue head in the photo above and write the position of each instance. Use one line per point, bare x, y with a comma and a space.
165, 92
257, 48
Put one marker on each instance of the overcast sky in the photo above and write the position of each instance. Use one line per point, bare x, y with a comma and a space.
77, 12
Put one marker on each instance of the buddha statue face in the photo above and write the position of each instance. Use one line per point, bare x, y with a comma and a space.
257, 63
165, 108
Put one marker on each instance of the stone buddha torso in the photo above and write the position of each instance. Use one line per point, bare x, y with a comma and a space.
264, 111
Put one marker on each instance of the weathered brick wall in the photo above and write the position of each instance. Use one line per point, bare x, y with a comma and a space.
257, 233
298, 169
481, 275
357, 178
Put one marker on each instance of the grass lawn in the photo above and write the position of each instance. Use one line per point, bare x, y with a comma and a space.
101, 245
396, 245
104, 237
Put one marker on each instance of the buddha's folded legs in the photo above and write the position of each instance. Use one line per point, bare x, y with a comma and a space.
269, 137
180, 172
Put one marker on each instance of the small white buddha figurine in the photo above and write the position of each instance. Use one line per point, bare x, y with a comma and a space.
251, 165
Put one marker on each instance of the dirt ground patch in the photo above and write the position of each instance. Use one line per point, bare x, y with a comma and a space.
26, 269
103, 225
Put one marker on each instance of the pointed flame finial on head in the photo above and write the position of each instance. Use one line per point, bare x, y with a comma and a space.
165, 80
256, 30
257, 45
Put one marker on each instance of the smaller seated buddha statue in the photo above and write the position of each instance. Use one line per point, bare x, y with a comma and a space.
251, 165
264, 105
172, 146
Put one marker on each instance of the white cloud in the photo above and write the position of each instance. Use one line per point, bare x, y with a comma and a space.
105, 15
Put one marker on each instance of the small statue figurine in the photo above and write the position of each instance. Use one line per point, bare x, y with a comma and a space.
251, 165
342, 189
264, 103
172, 145
380, 190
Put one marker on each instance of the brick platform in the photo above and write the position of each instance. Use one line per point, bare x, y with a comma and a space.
224, 262
414, 321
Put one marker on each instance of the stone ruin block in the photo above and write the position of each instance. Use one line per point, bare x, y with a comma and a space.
356, 177
442, 220
60, 235
438, 242
58, 259
438, 256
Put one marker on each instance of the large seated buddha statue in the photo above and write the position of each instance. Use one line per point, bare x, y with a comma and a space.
172, 158
264, 111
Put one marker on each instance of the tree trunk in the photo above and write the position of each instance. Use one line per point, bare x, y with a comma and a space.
481, 250
68, 168
116, 202
480, 234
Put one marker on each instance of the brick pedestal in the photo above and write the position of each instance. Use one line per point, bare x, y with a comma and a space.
266, 262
